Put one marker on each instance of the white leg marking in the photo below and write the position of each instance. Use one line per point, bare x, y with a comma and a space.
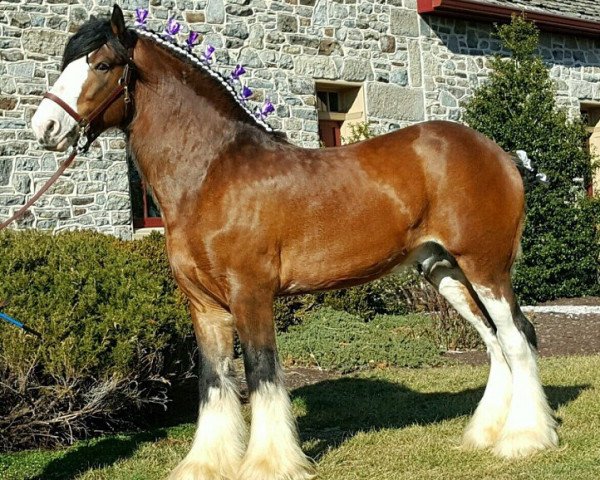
68, 88
529, 425
274, 452
489, 417
218, 447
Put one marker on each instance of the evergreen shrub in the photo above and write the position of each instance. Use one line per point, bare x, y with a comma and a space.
114, 331
517, 108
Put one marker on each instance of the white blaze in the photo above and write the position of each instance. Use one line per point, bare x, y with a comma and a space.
51, 124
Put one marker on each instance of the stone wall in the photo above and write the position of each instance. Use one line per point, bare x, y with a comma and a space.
94, 192
413, 68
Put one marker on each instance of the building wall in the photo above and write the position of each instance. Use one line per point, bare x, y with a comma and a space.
413, 69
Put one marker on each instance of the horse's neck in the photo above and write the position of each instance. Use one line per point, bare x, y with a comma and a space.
180, 126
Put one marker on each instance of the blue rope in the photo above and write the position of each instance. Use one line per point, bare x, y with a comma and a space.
16, 323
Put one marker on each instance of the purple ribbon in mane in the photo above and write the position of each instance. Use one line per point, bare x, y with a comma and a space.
141, 17
172, 28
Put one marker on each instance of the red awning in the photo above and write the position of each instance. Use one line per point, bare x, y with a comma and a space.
488, 12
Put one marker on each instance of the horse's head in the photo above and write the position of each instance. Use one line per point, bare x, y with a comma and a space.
92, 90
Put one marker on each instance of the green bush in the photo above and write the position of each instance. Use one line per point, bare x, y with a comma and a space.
113, 329
337, 340
386, 295
517, 108
398, 294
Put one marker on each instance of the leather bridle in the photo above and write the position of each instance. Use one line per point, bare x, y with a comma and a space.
87, 131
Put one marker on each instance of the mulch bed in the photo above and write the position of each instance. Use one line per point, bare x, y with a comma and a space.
558, 334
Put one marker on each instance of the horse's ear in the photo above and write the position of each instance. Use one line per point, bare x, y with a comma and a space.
117, 22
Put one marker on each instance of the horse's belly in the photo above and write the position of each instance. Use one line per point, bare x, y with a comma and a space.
344, 257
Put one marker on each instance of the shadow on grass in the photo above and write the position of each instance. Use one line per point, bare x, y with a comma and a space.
96, 454
336, 410
339, 409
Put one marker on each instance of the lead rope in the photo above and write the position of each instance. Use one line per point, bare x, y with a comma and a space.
19, 213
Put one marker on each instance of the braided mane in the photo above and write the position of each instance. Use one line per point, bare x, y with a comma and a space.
97, 31
183, 53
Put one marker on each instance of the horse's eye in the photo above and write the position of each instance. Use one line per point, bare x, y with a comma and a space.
103, 67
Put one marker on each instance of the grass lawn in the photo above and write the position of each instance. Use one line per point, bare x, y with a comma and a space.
383, 424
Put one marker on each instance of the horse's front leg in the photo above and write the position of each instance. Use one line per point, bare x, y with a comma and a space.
274, 451
218, 445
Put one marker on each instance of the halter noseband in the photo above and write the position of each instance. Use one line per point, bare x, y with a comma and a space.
86, 125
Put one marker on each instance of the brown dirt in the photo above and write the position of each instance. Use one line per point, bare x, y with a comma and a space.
558, 334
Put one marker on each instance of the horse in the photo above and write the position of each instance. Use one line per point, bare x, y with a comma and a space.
249, 217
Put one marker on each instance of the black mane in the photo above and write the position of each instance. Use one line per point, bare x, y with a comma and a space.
91, 36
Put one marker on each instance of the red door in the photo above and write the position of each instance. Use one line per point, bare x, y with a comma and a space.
330, 133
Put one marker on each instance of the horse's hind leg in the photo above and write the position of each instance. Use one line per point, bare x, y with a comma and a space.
530, 425
218, 446
487, 422
274, 451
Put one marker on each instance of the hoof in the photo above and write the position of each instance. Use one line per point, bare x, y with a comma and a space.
269, 470
189, 470
478, 437
524, 444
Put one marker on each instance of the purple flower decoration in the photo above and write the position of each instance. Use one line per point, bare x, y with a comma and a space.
191, 40
141, 16
265, 111
207, 55
238, 71
267, 108
246, 93
172, 28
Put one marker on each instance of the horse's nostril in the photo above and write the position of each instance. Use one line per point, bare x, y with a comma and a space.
52, 127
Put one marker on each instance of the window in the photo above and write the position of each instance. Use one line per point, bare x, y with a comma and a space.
145, 211
338, 105
590, 114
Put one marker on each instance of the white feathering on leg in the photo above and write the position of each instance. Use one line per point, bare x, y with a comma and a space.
218, 446
487, 422
274, 452
529, 425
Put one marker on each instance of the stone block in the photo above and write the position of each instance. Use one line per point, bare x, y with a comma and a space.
414, 63
215, 11
7, 103
287, 23
356, 70
117, 201
316, 67
394, 102
195, 17
319, 17
329, 46
43, 40
256, 35
387, 43
6, 165
404, 22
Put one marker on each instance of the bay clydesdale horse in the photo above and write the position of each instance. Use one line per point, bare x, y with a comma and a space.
248, 217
